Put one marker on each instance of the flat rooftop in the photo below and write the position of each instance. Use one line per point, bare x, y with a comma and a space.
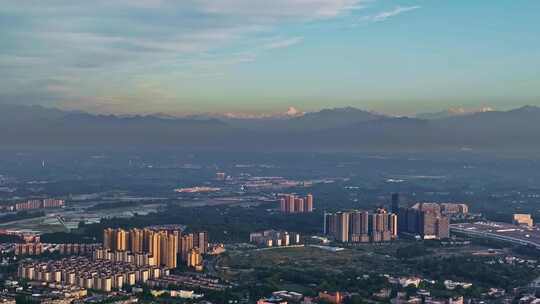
502, 231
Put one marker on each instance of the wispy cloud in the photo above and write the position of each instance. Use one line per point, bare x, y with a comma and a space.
126, 40
382, 16
283, 43
264, 10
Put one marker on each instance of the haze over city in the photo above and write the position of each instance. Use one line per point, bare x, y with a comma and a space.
269, 152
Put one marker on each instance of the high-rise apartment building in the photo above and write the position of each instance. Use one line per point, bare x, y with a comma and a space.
338, 225
360, 223
186, 244
136, 238
394, 225
309, 203
299, 205
121, 240
194, 258
330, 224
290, 204
293, 204
342, 233
200, 240
361, 226
155, 247
108, 237
29, 249
161, 246
169, 248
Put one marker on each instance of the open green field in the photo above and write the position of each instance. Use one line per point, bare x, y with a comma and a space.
309, 257
363, 269
308, 270
388, 258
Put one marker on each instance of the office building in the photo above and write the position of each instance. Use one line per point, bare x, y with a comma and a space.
454, 208
433, 208
523, 219
424, 220
395, 203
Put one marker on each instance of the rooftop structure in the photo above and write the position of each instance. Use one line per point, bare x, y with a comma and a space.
274, 238
523, 219
197, 190
516, 234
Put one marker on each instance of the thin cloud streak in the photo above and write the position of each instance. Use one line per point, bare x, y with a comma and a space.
283, 43
124, 40
382, 16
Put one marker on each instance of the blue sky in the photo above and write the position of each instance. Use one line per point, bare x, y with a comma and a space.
259, 56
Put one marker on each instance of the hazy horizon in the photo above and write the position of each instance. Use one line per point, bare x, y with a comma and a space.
290, 112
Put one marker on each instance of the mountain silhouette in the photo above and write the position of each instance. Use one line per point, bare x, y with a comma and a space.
342, 129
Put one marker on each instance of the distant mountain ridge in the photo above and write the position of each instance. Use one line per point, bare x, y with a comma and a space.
341, 129
452, 112
337, 117
310, 121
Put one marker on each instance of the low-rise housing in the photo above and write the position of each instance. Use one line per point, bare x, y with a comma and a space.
451, 285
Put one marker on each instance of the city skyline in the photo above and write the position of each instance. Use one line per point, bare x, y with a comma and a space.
249, 57
456, 228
